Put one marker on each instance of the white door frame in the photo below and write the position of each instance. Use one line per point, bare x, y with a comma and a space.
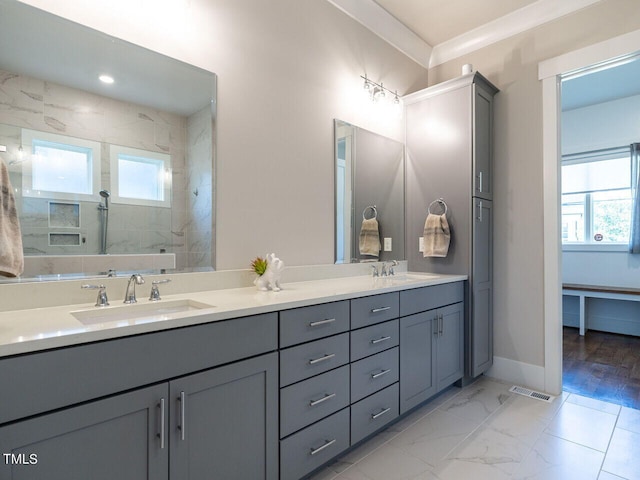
550, 72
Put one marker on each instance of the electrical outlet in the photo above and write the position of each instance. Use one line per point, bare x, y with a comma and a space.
421, 244
387, 244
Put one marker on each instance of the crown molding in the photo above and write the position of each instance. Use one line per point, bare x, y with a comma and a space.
386, 26
516, 22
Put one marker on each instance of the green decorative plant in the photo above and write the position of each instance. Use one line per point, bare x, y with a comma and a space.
259, 265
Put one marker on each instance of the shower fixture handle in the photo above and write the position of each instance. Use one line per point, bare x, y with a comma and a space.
155, 293
102, 300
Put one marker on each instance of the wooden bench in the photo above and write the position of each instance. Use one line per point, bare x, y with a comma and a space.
597, 291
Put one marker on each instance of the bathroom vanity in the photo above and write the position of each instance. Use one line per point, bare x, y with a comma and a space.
265, 385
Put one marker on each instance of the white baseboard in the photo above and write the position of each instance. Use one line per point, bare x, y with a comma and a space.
519, 373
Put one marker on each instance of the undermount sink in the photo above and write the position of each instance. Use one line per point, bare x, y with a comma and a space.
140, 312
402, 278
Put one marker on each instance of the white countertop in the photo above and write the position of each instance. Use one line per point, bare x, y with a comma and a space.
31, 330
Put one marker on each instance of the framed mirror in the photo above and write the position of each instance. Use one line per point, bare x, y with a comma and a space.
110, 150
369, 182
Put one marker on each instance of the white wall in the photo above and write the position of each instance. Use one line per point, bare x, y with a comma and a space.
286, 69
512, 65
606, 125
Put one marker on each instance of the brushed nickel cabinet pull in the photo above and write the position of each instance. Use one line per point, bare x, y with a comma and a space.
380, 309
161, 433
379, 414
181, 427
381, 339
327, 443
321, 322
324, 358
379, 374
328, 396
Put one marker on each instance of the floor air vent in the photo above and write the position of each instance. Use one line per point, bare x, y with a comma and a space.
532, 393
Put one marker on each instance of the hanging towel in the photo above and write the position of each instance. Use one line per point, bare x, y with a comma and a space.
437, 236
11, 256
369, 238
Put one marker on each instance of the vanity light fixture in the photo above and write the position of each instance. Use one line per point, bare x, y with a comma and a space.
378, 91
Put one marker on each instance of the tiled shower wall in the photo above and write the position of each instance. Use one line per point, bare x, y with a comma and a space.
39, 105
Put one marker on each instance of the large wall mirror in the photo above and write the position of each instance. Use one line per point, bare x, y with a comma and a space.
110, 149
369, 182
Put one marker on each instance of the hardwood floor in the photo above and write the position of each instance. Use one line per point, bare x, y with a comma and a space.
602, 365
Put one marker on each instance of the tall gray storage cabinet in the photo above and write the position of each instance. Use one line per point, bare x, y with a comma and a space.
449, 143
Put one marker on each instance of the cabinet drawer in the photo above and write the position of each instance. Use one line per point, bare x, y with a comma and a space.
308, 449
374, 412
426, 298
313, 399
304, 361
374, 339
310, 323
374, 373
375, 309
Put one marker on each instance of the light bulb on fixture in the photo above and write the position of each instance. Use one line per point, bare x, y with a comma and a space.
396, 99
367, 85
381, 93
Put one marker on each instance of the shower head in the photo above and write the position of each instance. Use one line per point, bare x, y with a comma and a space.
105, 193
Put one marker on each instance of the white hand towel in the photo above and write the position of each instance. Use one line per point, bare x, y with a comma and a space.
437, 236
11, 255
369, 241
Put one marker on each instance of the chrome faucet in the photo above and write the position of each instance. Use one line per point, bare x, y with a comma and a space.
130, 294
102, 300
374, 271
155, 293
387, 268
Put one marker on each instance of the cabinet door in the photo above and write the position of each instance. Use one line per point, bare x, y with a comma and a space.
119, 437
450, 347
417, 369
225, 422
482, 143
481, 325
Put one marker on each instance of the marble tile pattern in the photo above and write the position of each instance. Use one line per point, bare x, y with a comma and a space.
185, 229
483, 431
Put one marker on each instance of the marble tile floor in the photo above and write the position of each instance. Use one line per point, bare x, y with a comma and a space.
483, 431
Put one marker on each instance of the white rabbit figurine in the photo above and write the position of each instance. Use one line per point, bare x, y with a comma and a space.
270, 279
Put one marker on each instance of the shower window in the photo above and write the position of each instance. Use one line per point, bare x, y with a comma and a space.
596, 197
58, 166
140, 177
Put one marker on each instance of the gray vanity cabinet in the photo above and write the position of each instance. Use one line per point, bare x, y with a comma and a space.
417, 369
224, 422
481, 339
118, 437
449, 156
431, 341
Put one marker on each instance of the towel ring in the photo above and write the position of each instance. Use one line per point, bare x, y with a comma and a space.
440, 202
373, 209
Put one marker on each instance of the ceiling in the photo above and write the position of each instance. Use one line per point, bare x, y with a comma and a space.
436, 21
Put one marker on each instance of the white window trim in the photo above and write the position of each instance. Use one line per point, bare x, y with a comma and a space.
114, 152
27, 167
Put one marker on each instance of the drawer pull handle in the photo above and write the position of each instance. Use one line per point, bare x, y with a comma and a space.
321, 322
379, 374
181, 427
381, 339
324, 358
327, 443
162, 426
379, 414
380, 309
328, 396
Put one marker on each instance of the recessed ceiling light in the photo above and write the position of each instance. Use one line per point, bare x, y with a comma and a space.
106, 79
